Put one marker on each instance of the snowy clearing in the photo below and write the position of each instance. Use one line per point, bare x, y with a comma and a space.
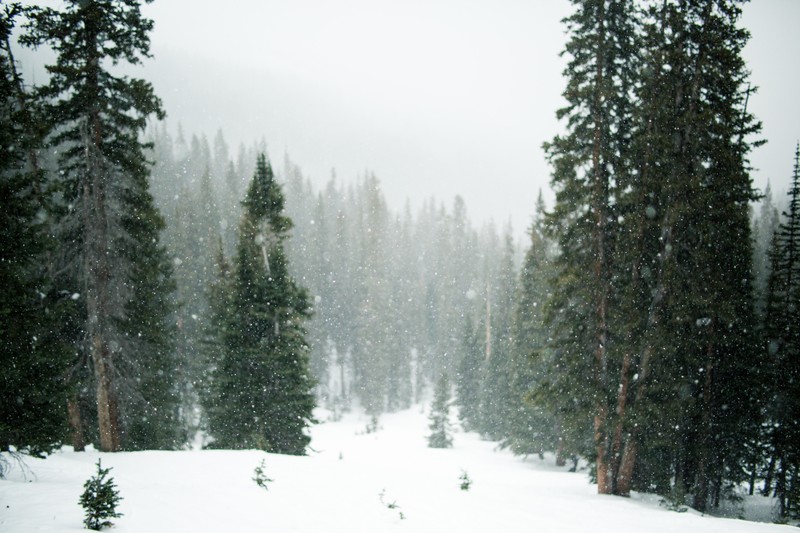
347, 484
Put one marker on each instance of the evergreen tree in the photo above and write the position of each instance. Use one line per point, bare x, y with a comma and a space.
532, 428
782, 339
687, 249
765, 224
468, 382
109, 228
100, 499
261, 387
653, 273
590, 165
440, 436
496, 403
34, 361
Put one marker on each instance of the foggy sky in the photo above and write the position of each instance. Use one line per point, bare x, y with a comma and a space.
436, 97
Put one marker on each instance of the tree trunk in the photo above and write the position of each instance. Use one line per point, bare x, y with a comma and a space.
622, 400
601, 268
76, 425
628, 459
767, 490
701, 491
97, 274
600, 437
561, 458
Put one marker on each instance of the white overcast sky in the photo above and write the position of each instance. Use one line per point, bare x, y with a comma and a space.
436, 97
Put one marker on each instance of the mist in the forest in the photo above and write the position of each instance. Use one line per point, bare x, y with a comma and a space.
436, 99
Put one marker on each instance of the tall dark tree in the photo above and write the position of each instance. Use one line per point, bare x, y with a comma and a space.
590, 165
109, 229
261, 388
33, 395
686, 255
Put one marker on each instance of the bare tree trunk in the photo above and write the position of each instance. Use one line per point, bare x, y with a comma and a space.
561, 457
97, 272
622, 403
76, 425
767, 489
107, 408
628, 459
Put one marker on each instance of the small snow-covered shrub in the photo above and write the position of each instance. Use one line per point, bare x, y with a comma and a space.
260, 477
466, 482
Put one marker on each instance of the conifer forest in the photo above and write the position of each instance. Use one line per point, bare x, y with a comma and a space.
163, 289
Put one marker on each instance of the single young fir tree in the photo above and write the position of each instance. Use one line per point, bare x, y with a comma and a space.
100, 499
109, 227
441, 430
261, 391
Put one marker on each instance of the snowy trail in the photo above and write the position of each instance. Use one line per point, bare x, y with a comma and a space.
336, 489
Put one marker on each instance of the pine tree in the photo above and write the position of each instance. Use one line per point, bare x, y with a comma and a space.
261, 391
689, 323
96, 119
33, 359
782, 346
590, 165
468, 382
532, 428
440, 436
653, 273
497, 403
100, 499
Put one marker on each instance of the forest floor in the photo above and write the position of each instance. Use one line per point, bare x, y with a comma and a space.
352, 481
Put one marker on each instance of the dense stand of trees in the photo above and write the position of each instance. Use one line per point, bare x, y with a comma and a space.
389, 292
159, 289
655, 372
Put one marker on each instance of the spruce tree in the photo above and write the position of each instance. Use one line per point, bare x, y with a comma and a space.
109, 228
591, 163
99, 500
496, 403
782, 347
33, 359
261, 390
686, 251
653, 272
468, 378
440, 436
532, 428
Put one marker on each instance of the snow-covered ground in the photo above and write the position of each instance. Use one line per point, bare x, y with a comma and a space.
346, 484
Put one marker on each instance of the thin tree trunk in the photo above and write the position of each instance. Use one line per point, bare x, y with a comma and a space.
561, 457
97, 268
601, 271
622, 400
767, 490
76, 425
628, 460
702, 486
98, 276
